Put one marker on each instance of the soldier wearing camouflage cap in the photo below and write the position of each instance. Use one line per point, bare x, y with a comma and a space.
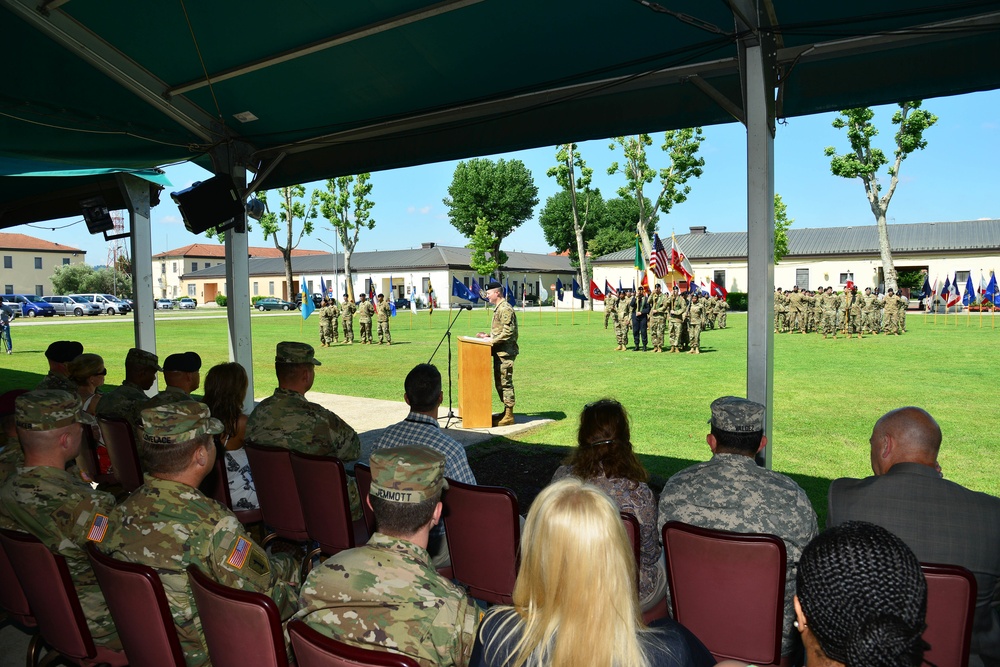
11, 454
168, 524
126, 401
286, 419
387, 594
58, 354
54, 505
731, 492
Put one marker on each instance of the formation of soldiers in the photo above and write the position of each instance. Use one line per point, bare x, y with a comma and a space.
331, 313
848, 312
677, 317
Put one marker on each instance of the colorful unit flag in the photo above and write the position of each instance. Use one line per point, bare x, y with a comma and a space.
925, 291
509, 293
476, 290
608, 289
970, 292
559, 289
595, 292
991, 290
658, 261
717, 290
542, 292
577, 292
307, 303
639, 264
461, 291
322, 287
955, 297
678, 261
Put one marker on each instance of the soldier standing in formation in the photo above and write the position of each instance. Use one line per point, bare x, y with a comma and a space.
611, 311
365, 312
696, 320
624, 319
677, 315
658, 306
383, 312
347, 316
325, 324
640, 318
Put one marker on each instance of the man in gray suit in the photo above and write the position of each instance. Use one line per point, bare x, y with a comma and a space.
943, 522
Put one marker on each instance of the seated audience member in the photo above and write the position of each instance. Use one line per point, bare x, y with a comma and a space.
11, 454
58, 354
126, 401
604, 458
387, 595
182, 373
61, 510
286, 419
943, 522
423, 394
575, 600
168, 524
87, 372
731, 492
225, 391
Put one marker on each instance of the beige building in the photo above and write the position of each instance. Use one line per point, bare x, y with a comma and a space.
28, 263
169, 266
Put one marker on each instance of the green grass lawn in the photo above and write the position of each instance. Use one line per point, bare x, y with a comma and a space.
827, 393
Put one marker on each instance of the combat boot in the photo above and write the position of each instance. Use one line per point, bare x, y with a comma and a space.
508, 417
645, 349
696, 350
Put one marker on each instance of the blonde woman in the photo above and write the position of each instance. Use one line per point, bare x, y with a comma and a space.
88, 372
575, 600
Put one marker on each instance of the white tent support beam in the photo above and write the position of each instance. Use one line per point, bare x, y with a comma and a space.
136, 191
238, 295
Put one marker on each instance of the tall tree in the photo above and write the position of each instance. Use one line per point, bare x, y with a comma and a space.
556, 220
292, 208
482, 245
617, 230
71, 278
346, 203
574, 176
502, 193
681, 147
864, 161
781, 225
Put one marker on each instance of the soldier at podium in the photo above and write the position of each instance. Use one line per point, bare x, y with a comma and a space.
503, 336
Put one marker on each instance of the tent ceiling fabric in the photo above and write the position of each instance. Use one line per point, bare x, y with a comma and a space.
340, 88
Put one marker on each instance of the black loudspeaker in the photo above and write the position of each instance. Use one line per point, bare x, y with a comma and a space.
212, 203
96, 215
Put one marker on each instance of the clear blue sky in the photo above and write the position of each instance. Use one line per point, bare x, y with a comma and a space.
955, 178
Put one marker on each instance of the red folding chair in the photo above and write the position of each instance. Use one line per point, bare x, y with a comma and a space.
277, 493
951, 607
119, 438
363, 476
313, 649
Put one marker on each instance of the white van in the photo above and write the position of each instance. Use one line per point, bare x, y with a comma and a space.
108, 303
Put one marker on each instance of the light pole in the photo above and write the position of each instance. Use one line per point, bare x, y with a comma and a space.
336, 277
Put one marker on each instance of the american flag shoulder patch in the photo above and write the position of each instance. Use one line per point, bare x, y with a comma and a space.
241, 550
98, 528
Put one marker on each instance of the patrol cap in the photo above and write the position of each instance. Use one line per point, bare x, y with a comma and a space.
407, 474
178, 422
139, 357
737, 415
290, 352
7, 401
49, 409
63, 351
182, 362
494, 285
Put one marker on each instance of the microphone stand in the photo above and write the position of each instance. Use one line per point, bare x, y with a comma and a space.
447, 334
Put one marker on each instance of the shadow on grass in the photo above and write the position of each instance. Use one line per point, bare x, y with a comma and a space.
11, 379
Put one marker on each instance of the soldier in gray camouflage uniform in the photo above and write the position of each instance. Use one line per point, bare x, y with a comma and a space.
125, 402
387, 595
696, 322
383, 311
327, 324
678, 313
168, 524
347, 310
286, 419
61, 510
611, 311
503, 337
58, 354
624, 323
659, 304
365, 312
731, 492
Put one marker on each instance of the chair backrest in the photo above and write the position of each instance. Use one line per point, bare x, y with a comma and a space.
313, 649
276, 491
13, 602
951, 604
484, 536
728, 589
322, 485
632, 531
89, 461
241, 627
49, 589
363, 476
119, 438
140, 610
216, 483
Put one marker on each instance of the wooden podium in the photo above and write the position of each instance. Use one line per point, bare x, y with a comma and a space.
475, 382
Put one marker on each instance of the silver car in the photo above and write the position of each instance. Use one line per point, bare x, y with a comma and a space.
73, 305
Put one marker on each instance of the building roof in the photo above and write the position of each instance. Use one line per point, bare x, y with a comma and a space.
218, 251
968, 235
25, 242
434, 257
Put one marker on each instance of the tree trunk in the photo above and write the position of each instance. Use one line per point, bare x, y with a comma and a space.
888, 268
286, 254
581, 250
348, 251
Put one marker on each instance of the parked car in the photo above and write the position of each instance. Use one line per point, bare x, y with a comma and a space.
11, 312
31, 305
187, 302
163, 304
271, 303
73, 305
109, 304
402, 303
317, 300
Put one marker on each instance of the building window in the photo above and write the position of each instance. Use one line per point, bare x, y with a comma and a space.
802, 278
65, 261
255, 289
466, 281
174, 268
191, 288
844, 277
961, 277
425, 284
8, 289
8, 263
38, 262
39, 290
163, 267
270, 287
719, 279
194, 266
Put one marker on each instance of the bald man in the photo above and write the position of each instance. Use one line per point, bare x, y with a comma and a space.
943, 522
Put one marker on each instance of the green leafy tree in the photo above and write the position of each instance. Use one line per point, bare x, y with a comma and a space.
681, 146
71, 278
347, 205
617, 230
483, 245
106, 280
781, 225
556, 221
864, 161
293, 208
502, 193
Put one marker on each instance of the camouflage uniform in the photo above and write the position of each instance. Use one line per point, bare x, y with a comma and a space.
56, 381
11, 458
327, 325
60, 509
168, 395
731, 492
696, 320
723, 307
387, 594
780, 312
365, 312
624, 322
347, 312
503, 332
382, 314
819, 305
334, 324
795, 318
678, 311
904, 303
611, 311
831, 303
854, 321
124, 402
659, 303
891, 307
868, 313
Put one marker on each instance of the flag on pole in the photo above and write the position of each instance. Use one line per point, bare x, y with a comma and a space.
430, 296
476, 290
371, 289
559, 289
955, 296
645, 279
619, 284
658, 261
578, 293
639, 264
307, 303
322, 287
509, 293
970, 292
982, 285
608, 289
461, 291
925, 291
991, 290
678, 261
946, 290
934, 290
392, 298
542, 292
717, 290
595, 292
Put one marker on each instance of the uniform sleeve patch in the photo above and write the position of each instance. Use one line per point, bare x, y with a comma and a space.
98, 529
240, 552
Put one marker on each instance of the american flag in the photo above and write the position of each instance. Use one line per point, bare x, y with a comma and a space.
98, 528
658, 258
240, 552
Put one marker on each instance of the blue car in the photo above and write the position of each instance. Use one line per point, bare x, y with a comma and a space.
31, 305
